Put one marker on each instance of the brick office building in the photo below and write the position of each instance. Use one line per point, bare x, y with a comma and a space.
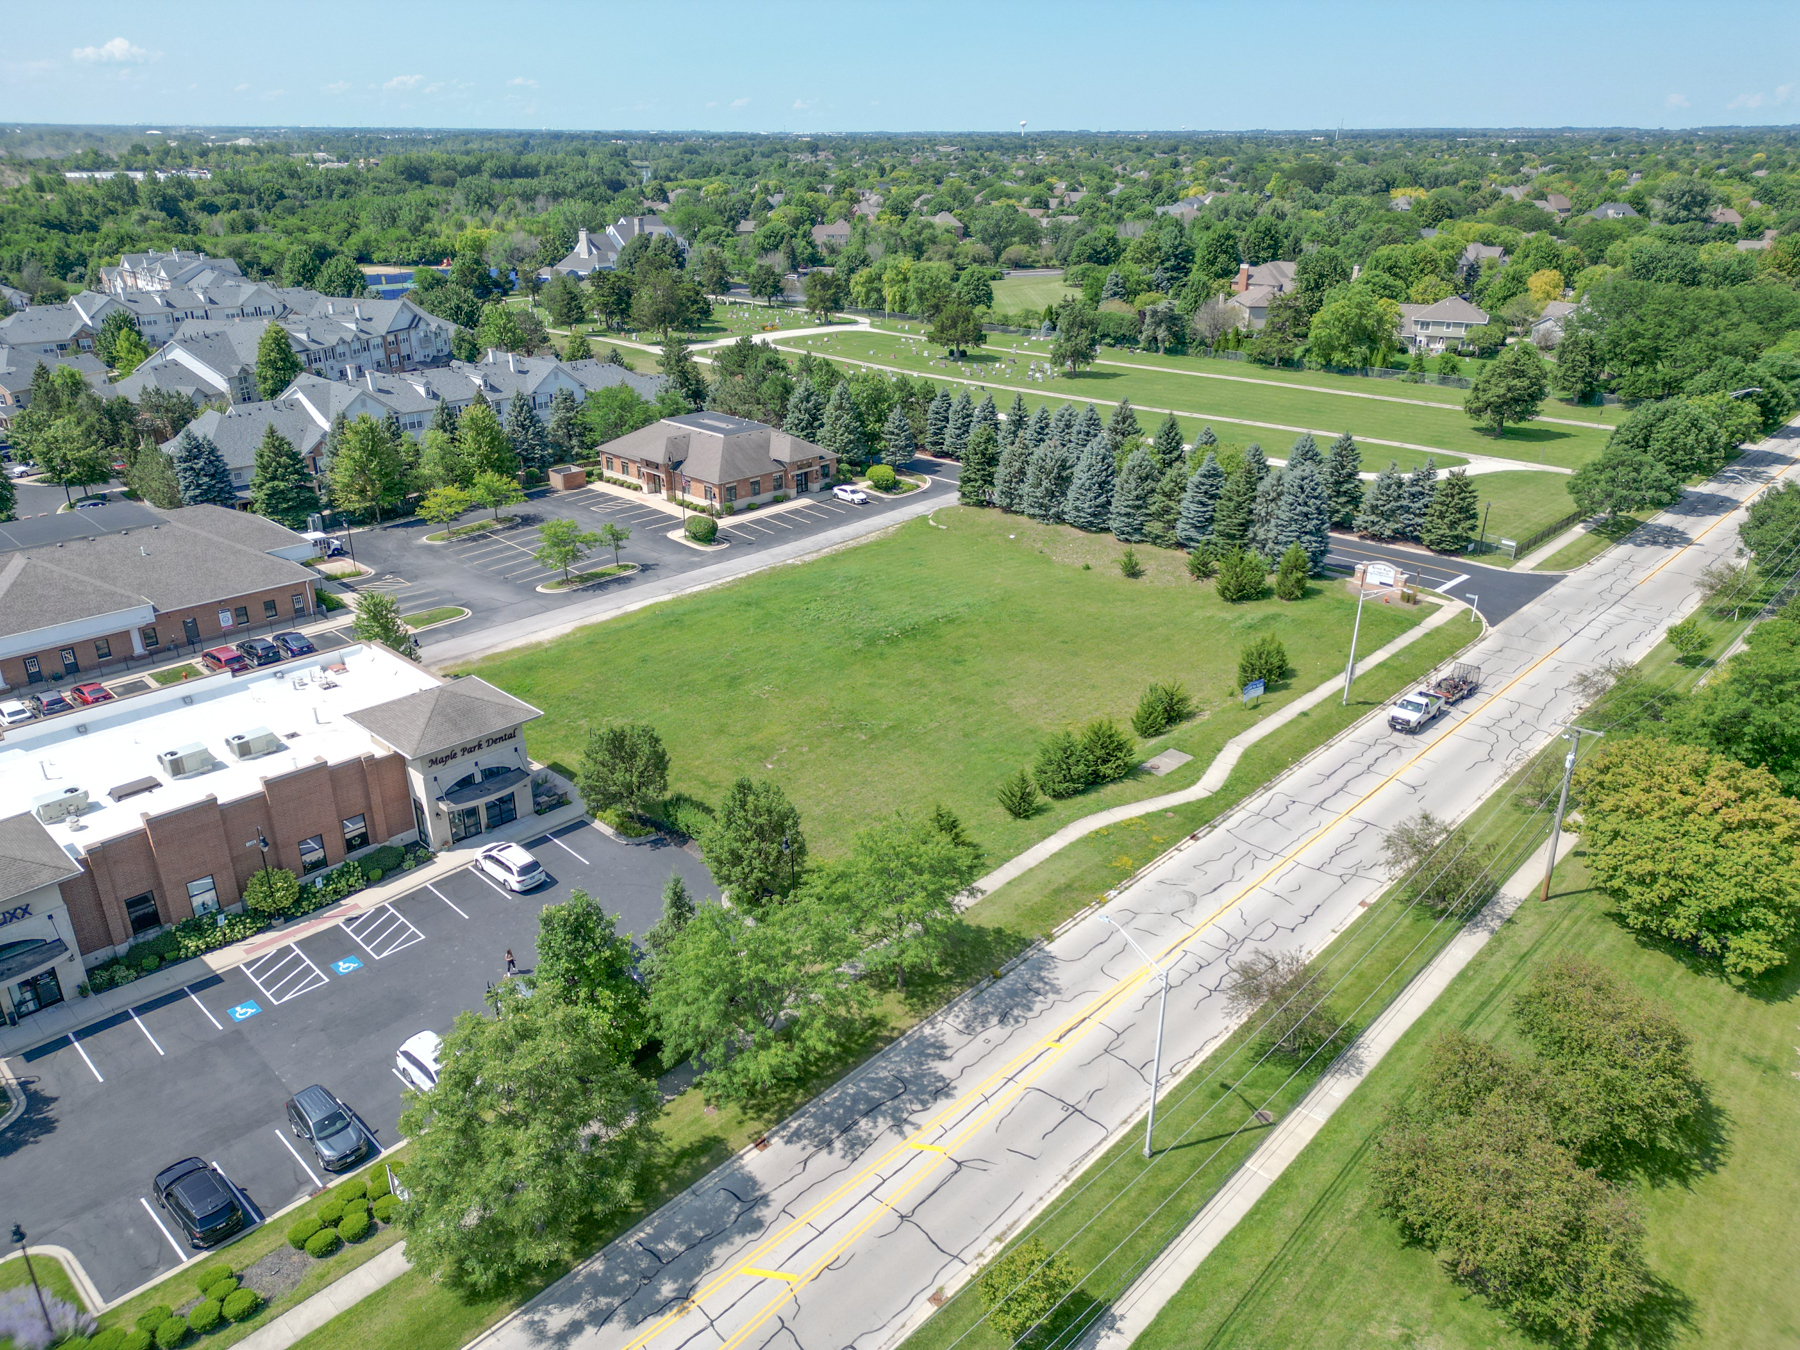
84, 591
718, 459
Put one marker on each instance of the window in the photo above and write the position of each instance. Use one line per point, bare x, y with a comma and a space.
70, 665
102, 649
203, 896
242, 612
356, 834
141, 911
300, 606
609, 464
731, 492
271, 610
775, 483
149, 637
312, 853
501, 810
709, 494
756, 487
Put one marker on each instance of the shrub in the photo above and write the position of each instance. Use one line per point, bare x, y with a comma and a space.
1062, 768
1109, 752
323, 1243
377, 1183
1290, 577
272, 890
355, 1226
354, 1189
137, 1340
1240, 578
330, 1212
1203, 563
240, 1305
1161, 707
883, 478
374, 874
172, 1333
220, 1287
301, 1233
111, 1338
385, 1207
686, 815
152, 1318
387, 857
1018, 796
204, 1316
1264, 659
702, 529
1129, 565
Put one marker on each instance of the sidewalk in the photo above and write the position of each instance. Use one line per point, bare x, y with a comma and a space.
338, 1296
1137, 1307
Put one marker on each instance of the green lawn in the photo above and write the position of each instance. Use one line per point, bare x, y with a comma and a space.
924, 666
51, 1277
1591, 545
426, 617
1524, 501
1265, 409
1030, 292
175, 674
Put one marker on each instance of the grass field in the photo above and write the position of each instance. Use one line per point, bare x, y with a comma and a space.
1267, 408
1590, 546
924, 666
426, 617
1029, 292
1524, 502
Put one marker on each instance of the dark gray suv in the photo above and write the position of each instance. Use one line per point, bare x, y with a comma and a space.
201, 1200
326, 1123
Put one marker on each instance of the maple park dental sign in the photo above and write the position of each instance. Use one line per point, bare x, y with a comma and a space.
8, 915
451, 756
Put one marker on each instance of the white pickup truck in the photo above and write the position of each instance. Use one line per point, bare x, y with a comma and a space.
1422, 707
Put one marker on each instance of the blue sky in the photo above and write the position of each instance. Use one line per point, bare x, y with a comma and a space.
872, 65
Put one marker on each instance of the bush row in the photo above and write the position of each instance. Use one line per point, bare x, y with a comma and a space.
221, 1301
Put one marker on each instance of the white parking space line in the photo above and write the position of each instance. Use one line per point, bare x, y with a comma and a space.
202, 1007
566, 849
288, 971
242, 1199
179, 1254
281, 1135
476, 871
382, 932
146, 1030
446, 899
84, 1059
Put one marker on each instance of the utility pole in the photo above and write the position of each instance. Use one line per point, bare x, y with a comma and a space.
1350, 668
1162, 1013
1573, 735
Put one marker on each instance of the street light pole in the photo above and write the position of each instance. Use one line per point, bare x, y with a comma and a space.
1162, 1013
1356, 629
1572, 735
18, 1236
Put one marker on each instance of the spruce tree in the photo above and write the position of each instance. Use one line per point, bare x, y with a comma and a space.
1114, 287
1343, 475
1415, 500
1124, 425
1305, 517
391, 428
1205, 440
1167, 446
897, 442
1062, 425
1165, 505
1256, 464
1132, 497
987, 415
525, 432
980, 459
1091, 493
1194, 526
1450, 521
1381, 515
1264, 509
1304, 450
1291, 572
937, 422
1087, 426
956, 430
280, 486
564, 428
805, 412
201, 473
1039, 431
1231, 518
1010, 474
1047, 483
1018, 417
840, 430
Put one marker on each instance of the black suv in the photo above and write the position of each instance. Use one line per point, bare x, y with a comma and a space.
326, 1123
260, 651
201, 1200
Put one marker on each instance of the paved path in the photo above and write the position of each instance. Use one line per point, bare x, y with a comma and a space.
899, 1180
310, 1314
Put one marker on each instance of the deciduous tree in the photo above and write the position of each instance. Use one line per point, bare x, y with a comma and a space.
1511, 389
624, 767
584, 962
366, 472
276, 365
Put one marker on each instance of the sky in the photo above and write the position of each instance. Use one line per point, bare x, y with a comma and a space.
921, 66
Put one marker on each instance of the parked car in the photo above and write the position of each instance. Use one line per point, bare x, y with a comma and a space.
89, 694
225, 658
417, 1060
16, 712
295, 644
319, 1118
511, 866
19, 471
260, 651
844, 492
46, 704
91, 504
201, 1201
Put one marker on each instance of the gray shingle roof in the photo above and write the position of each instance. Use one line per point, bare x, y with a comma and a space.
238, 431
714, 447
29, 857
452, 714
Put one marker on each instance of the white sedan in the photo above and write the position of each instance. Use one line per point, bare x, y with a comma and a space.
511, 866
15, 712
846, 493
417, 1060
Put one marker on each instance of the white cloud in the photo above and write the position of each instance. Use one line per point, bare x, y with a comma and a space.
275, 93
802, 104
522, 82
1677, 100
404, 82
1746, 101
1782, 91
339, 87
740, 103
241, 89
119, 49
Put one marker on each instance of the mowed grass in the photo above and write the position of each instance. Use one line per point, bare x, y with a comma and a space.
1030, 292
1315, 1264
1269, 407
1595, 541
1523, 502
926, 666
52, 1277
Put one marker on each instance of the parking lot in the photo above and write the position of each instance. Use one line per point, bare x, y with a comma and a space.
205, 1070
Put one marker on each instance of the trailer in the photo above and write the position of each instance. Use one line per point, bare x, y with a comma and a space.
1419, 709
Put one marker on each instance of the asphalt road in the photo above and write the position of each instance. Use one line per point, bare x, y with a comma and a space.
1496, 592
205, 1070
894, 1182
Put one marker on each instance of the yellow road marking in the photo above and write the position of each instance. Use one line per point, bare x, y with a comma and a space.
929, 1148
1697, 538
770, 1274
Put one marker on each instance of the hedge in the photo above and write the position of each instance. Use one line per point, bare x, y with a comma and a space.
138, 1339
204, 1315
302, 1232
241, 1304
152, 1318
221, 1289
355, 1226
330, 1212
385, 1207
377, 1183
112, 1338
323, 1243
172, 1333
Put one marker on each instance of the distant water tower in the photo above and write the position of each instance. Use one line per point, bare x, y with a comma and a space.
1021, 130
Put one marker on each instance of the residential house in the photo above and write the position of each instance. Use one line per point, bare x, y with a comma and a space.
945, 221
205, 361
1724, 215
1613, 211
175, 270
720, 460
239, 430
1444, 324
1473, 255
1751, 245
1255, 288
55, 330
1547, 328
1556, 204
16, 370
598, 252
833, 234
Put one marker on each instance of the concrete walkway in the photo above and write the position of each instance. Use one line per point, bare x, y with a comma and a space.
338, 1296
1133, 1311
1216, 772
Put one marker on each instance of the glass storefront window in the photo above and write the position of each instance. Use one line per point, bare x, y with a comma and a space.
312, 853
502, 810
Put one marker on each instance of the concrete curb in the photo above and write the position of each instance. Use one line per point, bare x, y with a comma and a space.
71, 1267
340, 1295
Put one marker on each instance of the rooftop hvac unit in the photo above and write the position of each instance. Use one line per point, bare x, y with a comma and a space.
188, 759
256, 741
55, 806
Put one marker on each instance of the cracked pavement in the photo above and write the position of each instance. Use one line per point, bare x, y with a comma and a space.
897, 1180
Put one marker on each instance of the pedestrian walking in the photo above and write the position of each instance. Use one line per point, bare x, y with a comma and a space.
512, 966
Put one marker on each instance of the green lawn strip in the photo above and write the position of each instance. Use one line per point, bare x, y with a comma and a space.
1445, 429
1590, 545
1523, 500
579, 579
431, 616
51, 1276
473, 527
175, 674
933, 662
1030, 292
1078, 875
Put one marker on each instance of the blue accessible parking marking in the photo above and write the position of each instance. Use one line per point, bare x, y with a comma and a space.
248, 1008
345, 966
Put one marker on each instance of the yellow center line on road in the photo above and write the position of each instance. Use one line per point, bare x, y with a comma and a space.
1697, 538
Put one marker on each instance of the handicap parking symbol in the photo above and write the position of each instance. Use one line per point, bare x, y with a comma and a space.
248, 1008
348, 964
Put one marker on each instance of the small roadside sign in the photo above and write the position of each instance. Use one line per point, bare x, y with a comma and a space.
1253, 690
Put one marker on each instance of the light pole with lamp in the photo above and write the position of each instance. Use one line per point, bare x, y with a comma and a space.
18, 1237
261, 841
1162, 1013
1362, 589
1573, 735
349, 541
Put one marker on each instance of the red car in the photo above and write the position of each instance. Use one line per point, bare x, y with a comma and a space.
225, 658
88, 694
